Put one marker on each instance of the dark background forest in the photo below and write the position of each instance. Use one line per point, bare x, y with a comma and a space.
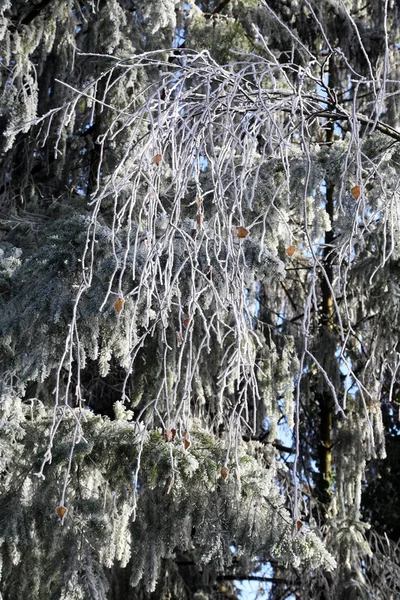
199, 295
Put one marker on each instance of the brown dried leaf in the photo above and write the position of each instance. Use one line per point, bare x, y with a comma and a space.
290, 250
186, 444
199, 201
241, 232
200, 218
169, 437
157, 159
118, 304
61, 510
299, 525
356, 191
187, 321
224, 473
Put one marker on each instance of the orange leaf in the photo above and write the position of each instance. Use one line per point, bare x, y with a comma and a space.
224, 473
186, 444
118, 304
157, 159
356, 191
241, 232
290, 250
299, 525
61, 510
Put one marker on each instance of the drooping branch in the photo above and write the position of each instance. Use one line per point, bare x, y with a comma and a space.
340, 114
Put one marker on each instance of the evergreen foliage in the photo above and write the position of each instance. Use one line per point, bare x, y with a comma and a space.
199, 246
